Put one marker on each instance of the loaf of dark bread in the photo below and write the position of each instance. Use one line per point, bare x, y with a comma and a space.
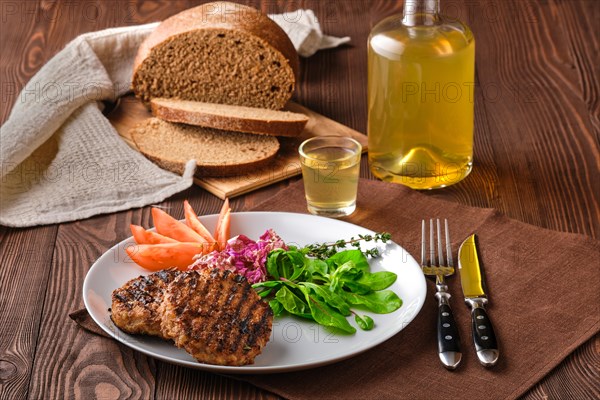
218, 52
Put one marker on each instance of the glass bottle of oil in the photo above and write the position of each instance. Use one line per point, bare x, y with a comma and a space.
421, 83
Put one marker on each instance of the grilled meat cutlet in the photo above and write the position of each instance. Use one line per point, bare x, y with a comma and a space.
216, 316
135, 305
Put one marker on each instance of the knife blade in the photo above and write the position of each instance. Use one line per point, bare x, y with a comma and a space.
475, 293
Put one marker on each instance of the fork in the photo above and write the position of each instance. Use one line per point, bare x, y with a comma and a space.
447, 334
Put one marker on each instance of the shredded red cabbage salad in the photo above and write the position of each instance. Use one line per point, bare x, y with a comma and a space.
243, 256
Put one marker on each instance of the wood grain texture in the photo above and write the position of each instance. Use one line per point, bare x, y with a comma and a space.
103, 366
539, 113
24, 276
537, 159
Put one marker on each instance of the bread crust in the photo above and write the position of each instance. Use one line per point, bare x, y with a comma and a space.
220, 15
230, 123
212, 171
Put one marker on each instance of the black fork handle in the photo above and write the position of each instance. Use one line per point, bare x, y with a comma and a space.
447, 334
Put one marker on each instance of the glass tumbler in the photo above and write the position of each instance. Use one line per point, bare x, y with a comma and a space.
330, 170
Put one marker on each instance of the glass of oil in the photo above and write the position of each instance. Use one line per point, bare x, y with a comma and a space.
421, 88
330, 170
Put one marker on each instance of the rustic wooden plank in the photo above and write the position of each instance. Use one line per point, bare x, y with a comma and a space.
26, 256
583, 34
102, 366
23, 47
184, 383
577, 378
334, 82
544, 149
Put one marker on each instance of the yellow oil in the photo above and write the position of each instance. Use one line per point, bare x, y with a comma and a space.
421, 88
330, 177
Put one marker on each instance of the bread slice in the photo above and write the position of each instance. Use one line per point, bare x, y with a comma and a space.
218, 52
227, 117
217, 153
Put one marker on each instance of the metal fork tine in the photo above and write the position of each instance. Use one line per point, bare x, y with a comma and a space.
439, 244
423, 243
431, 246
447, 334
448, 245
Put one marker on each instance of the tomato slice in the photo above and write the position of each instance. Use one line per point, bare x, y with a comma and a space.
170, 227
192, 220
143, 236
222, 229
155, 257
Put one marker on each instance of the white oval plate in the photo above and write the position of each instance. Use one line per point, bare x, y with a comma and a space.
295, 343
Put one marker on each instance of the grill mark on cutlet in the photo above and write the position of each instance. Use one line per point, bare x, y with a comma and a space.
241, 327
201, 289
147, 289
259, 327
144, 282
213, 298
137, 290
166, 275
232, 294
231, 335
217, 319
204, 315
193, 281
135, 304
176, 288
123, 299
246, 320
200, 298
178, 307
131, 295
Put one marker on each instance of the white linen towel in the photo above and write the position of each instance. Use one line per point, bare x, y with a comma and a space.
304, 30
61, 160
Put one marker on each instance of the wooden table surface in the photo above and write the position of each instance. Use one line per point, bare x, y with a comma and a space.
536, 160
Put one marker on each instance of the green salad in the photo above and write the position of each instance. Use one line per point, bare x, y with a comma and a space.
326, 284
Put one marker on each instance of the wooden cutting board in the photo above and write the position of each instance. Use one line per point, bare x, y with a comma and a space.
130, 111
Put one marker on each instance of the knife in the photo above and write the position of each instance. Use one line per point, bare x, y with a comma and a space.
474, 291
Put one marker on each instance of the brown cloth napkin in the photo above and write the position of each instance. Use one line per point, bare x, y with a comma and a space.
544, 303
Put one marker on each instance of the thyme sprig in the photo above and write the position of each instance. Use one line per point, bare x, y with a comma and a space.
325, 250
